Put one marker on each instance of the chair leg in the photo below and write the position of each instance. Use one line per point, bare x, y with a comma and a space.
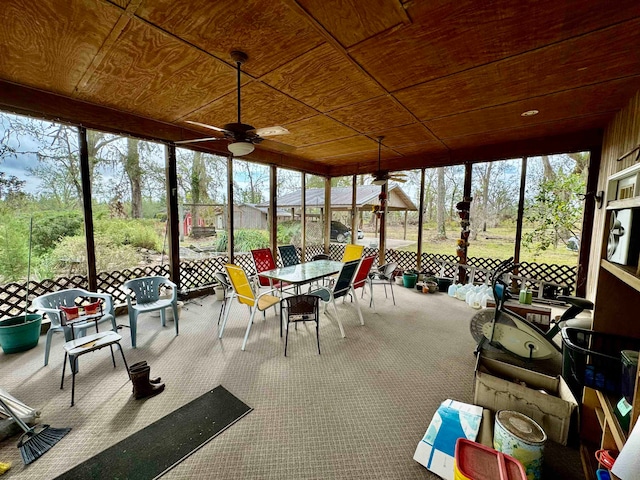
372, 302
47, 347
133, 325
246, 335
355, 297
222, 307
64, 367
224, 320
113, 359
163, 317
175, 316
286, 339
124, 360
318, 333
385, 290
333, 301
392, 295
73, 379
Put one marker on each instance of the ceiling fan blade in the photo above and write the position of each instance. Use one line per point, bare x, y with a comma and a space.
210, 127
399, 180
270, 131
196, 140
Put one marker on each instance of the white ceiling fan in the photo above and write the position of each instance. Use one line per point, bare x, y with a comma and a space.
380, 177
242, 136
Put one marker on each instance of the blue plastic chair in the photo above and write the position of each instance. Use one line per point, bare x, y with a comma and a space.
147, 299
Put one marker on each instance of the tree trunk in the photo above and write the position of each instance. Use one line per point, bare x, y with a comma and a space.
199, 184
134, 172
485, 196
442, 233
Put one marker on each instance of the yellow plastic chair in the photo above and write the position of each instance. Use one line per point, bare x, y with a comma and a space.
352, 252
244, 293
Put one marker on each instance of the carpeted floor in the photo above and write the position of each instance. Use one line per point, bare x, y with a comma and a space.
355, 411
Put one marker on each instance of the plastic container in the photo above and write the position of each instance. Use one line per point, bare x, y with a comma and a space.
521, 437
474, 461
18, 334
602, 474
409, 279
629, 370
594, 359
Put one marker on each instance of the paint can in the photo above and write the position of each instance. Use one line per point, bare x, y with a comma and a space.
521, 437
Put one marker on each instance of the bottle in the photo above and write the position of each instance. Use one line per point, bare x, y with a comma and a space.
452, 290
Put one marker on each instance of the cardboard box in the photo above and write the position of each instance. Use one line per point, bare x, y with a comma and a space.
499, 386
536, 314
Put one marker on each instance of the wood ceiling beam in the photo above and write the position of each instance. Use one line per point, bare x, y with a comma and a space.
294, 5
57, 108
573, 142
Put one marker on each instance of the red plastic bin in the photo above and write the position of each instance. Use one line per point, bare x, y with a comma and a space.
477, 462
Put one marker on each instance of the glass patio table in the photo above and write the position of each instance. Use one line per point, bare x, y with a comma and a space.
302, 273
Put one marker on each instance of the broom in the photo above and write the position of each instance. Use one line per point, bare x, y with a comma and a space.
33, 445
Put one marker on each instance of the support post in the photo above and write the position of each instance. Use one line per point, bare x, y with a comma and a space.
383, 224
92, 274
354, 219
464, 235
273, 210
523, 184
230, 210
303, 216
587, 223
172, 213
327, 213
406, 212
420, 221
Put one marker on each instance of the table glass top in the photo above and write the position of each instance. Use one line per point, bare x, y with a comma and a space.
304, 272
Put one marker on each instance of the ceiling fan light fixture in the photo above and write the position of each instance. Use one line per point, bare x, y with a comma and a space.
379, 181
240, 148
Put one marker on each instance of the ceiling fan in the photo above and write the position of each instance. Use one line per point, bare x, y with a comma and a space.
380, 177
242, 136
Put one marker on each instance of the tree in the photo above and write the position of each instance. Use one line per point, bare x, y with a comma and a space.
10, 186
555, 212
442, 233
132, 168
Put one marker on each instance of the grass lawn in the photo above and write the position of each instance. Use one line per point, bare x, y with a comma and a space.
494, 243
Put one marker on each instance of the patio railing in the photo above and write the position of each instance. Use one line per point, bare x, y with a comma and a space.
199, 274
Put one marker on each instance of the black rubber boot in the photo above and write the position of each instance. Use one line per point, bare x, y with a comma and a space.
142, 388
144, 364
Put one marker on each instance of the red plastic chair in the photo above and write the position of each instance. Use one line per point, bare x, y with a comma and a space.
360, 280
263, 260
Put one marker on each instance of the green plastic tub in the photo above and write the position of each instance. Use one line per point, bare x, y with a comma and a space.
18, 335
409, 279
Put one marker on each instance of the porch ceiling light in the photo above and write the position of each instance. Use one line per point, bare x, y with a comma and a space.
379, 181
240, 148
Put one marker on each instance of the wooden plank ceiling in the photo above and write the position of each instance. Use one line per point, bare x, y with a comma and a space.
443, 81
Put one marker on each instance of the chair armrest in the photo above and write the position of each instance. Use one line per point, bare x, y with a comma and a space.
174, 288
267, 293
108, 299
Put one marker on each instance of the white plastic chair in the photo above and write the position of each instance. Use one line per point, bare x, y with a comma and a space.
50, 304
147, 299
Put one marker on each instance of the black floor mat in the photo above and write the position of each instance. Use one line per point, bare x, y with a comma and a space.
152, 451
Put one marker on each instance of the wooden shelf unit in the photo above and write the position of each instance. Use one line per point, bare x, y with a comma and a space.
615, 312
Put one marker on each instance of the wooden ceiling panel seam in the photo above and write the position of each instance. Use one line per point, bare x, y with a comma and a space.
534, 97
537, 124
338, 46
505, 60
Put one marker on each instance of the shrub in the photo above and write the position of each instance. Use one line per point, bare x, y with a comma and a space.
14, 250
135, 232
109, 255
245, 240
50, 227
